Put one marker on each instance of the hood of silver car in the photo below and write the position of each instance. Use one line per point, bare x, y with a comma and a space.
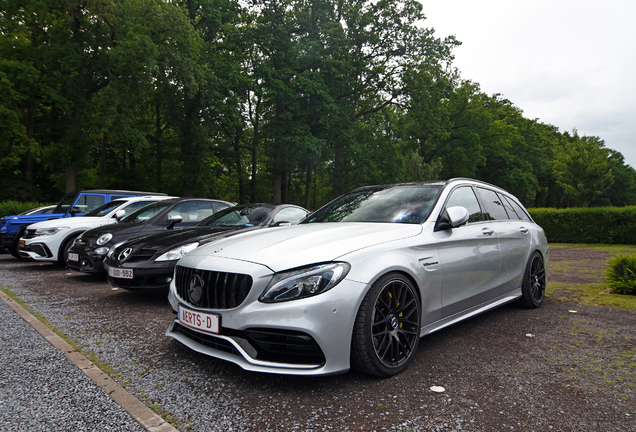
295, 246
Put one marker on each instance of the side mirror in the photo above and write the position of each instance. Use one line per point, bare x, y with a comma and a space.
173, 220
120, 215
280, 223
452, 217
74, 210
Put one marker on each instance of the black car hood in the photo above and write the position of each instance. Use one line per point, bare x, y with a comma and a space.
167, 240
119, 230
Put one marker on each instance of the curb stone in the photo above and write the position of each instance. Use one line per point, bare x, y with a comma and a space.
147, 418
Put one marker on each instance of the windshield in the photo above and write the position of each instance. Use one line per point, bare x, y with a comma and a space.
239, 216
105, 209
66, 201
393, 204
145, 213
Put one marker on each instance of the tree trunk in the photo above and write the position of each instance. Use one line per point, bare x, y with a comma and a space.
70, 185
308, 181
158, 133
102, 160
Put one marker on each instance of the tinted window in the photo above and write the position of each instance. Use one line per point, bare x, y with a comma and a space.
239, 216
105, 209
392, 204
519, 212
290, 214
87, 203
192, 211
465, 197
145, 213
493, 207
134, 206
65, 202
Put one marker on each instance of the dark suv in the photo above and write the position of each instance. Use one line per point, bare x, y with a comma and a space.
89, 250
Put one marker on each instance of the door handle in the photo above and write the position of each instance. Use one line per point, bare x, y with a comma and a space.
524, 230
487, 231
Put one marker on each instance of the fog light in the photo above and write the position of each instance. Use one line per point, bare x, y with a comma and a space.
168, 279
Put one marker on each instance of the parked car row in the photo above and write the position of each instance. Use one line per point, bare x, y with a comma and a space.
356, 283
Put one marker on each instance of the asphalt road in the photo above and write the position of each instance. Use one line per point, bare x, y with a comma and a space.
561, 367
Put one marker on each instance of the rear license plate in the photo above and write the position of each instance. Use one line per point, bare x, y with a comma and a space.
120, 273
73, 257
199, 320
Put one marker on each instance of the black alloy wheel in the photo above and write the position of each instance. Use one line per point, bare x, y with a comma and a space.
387, 328
534, 283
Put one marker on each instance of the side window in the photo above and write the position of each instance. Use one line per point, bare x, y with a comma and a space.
88, 203
135, 206
512, 213
290, 214
218, 206
192, 212
465, 197
493, 207
519, 211
114, 197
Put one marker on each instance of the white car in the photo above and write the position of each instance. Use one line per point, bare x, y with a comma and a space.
50, 240
358, 282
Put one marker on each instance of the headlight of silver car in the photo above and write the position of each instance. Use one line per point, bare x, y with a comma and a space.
104, 238
177, 253
48, 231
304, 282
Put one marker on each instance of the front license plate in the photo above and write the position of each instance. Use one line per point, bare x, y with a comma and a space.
73, 257
199, 320
120, 273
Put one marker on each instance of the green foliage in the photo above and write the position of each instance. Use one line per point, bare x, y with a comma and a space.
292, 101
11, 208
598, 225
621, 274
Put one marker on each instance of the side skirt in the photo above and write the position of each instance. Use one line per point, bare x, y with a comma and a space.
479, 309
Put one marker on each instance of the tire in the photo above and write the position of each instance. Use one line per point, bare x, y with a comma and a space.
62, 255
534, 283
386, 331
13, 249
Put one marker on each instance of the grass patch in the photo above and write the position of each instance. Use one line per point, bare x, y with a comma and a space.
595, 294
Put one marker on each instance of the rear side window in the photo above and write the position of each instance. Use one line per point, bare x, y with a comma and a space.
465, 197
515, 210
493, 205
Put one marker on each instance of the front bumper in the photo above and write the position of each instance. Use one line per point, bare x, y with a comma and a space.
88, 261
146, 277
311, 336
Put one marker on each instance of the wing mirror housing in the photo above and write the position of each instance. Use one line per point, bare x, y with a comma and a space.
173, 220
120, 215
452, 217
74, 210
280, 223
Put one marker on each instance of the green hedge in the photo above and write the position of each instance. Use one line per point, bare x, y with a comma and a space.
604, 225
10, 208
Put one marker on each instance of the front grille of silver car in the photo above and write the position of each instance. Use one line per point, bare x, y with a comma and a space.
220, 290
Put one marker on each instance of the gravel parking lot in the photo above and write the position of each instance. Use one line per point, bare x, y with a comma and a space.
562, 367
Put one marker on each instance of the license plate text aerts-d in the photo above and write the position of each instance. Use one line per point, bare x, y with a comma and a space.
199, 320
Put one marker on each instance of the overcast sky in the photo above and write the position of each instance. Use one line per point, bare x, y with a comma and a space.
568, 63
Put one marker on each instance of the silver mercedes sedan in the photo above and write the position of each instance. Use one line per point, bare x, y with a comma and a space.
361, 280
